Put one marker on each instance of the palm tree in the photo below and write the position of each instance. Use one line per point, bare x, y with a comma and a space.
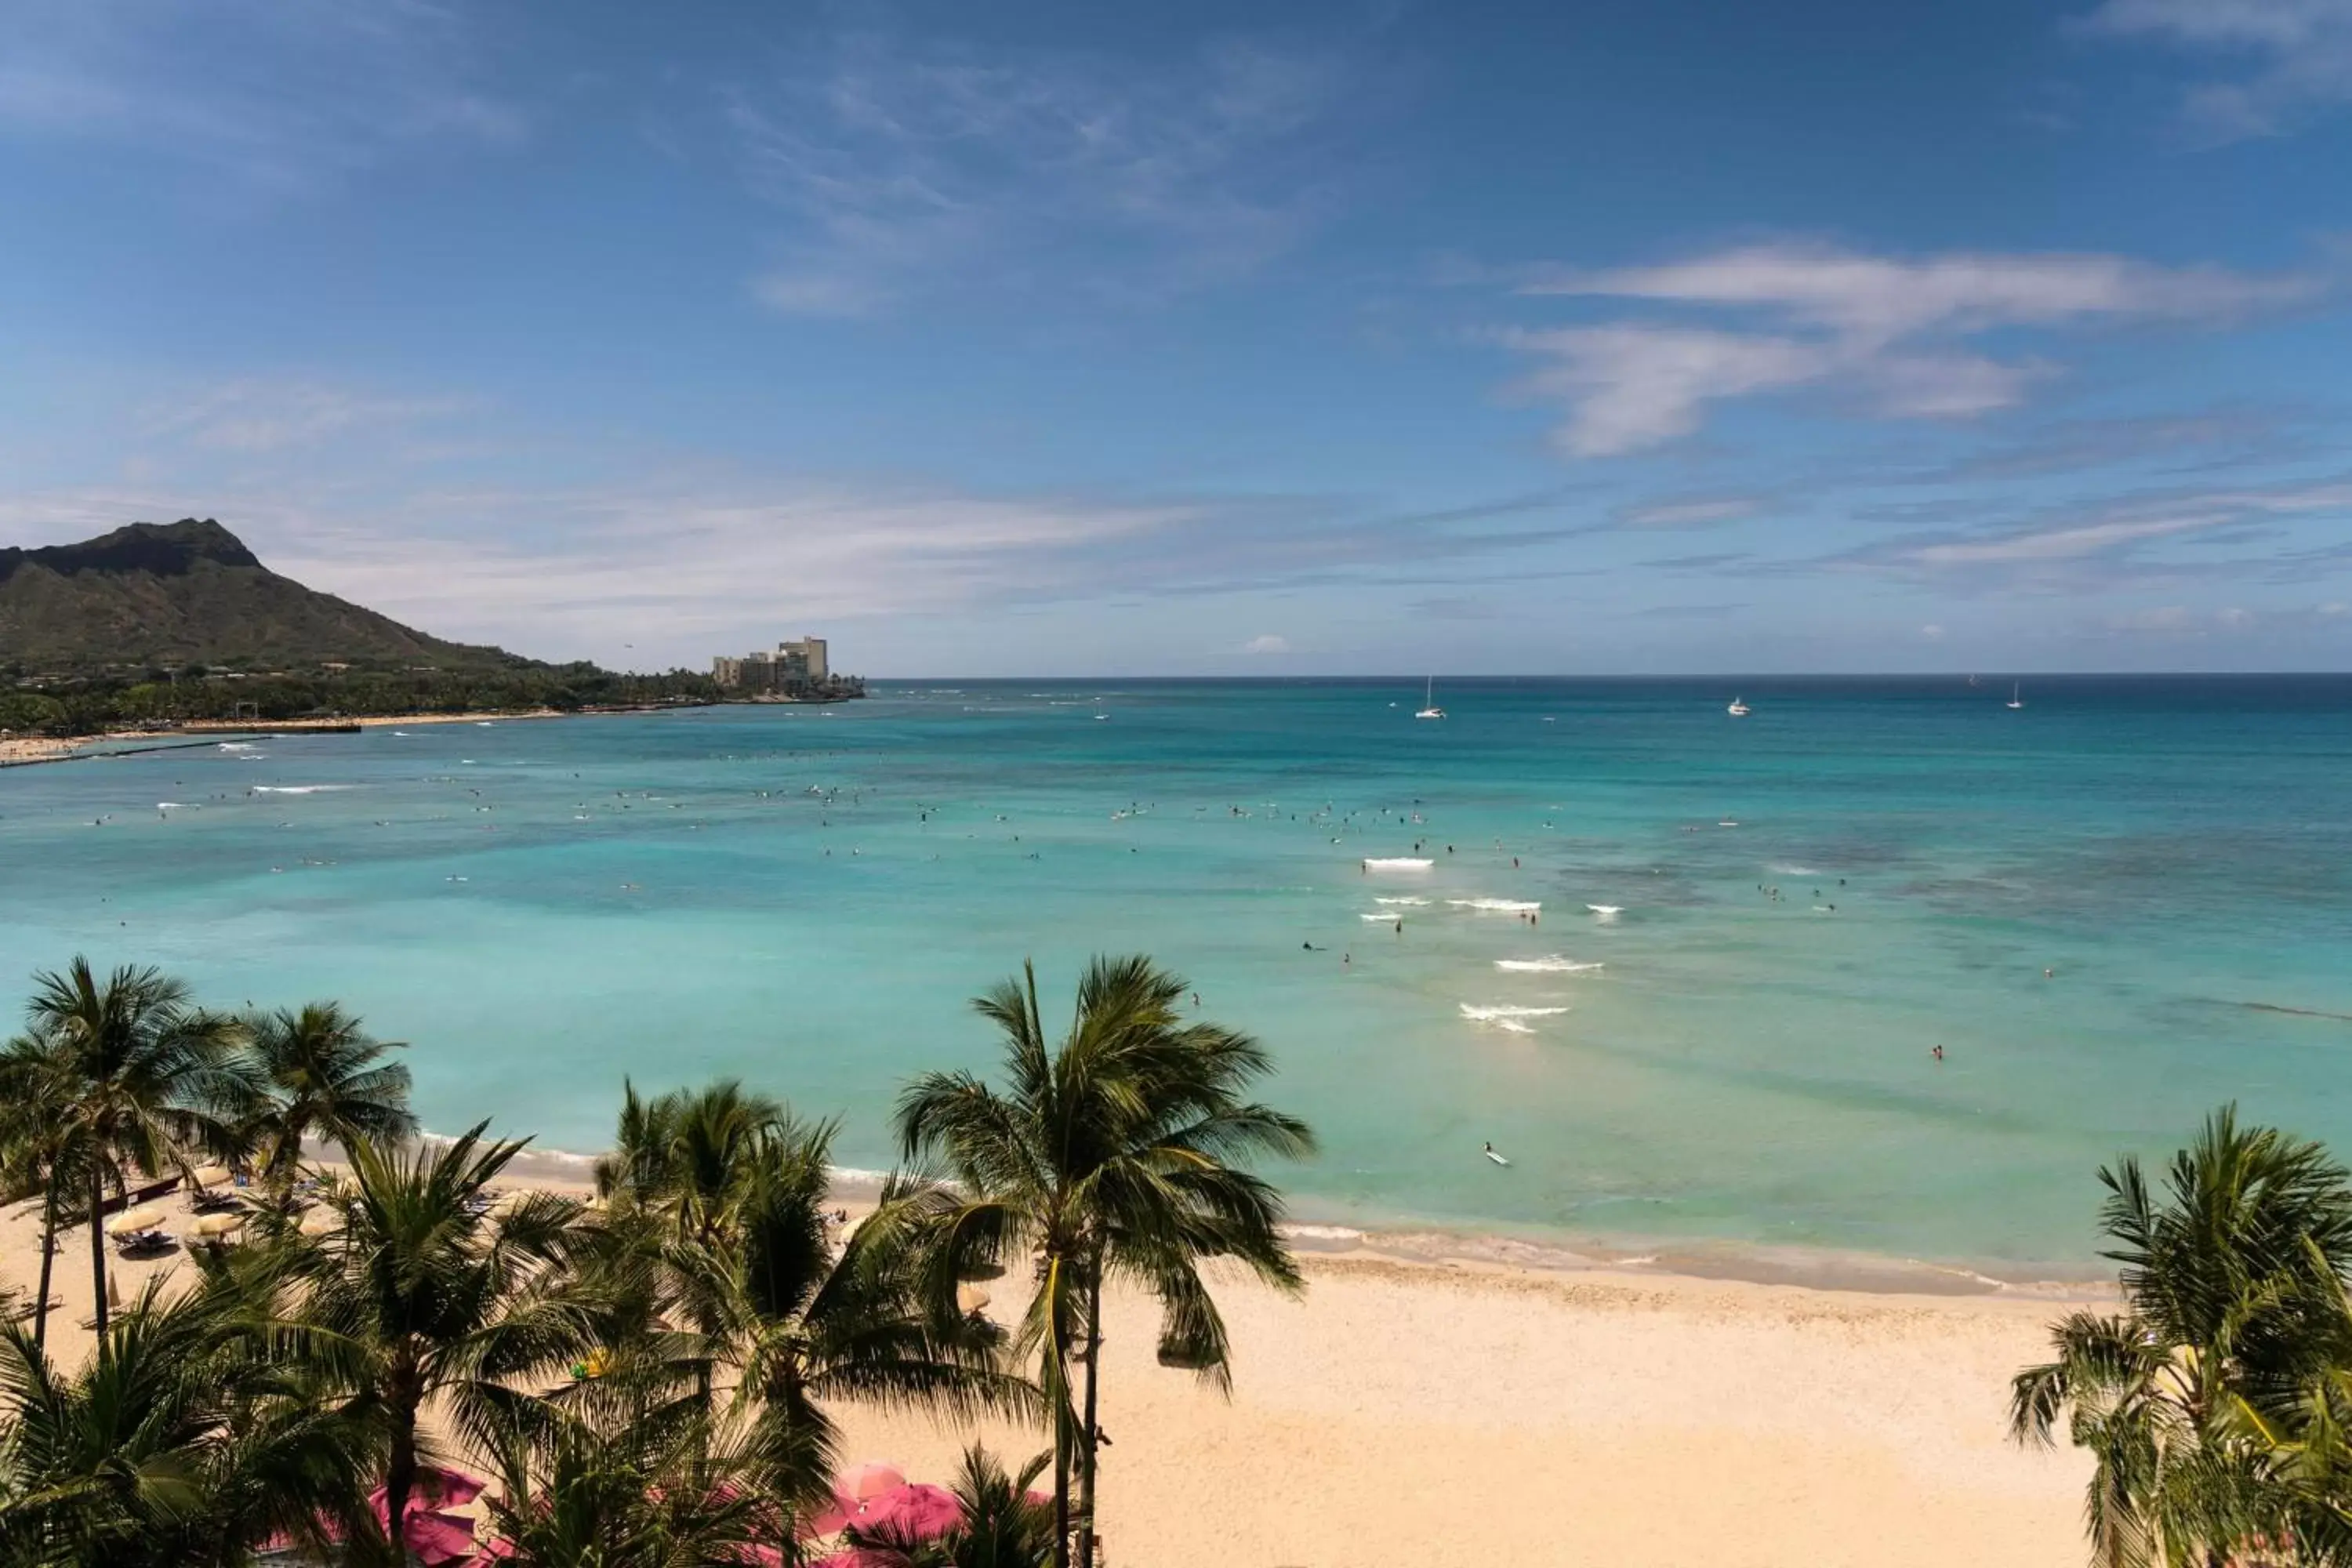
324, 1077
42, 1147
180, 1442
618, 1470
425, 1294
689, 1153
151, 1077
1003, 1525
1105, 1156
804, 1323
2233, 1308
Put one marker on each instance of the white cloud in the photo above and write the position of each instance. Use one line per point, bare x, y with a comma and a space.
1887, 335
1932, 632
2293, 58
1268, 644
909, 168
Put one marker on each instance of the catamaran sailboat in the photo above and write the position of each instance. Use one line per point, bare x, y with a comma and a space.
1737, 709
1429, 708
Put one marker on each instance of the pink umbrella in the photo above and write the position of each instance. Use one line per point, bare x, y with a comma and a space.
438, 1538
869, 1482
917, 1512
856, 1558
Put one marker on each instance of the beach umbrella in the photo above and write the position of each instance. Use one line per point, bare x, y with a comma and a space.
210, 1176
508, 1202
971, 1299
917, 1512
322, 1220
217, 1223
146, 1217
869, 1482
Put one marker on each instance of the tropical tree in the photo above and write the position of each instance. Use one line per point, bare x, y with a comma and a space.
430, 1291
152, 1077
1004, 1525
689, 1154
1109, 1154
43, 1148
619, 1472
323, 1077
804, 1323
2192, 1399
179, 1443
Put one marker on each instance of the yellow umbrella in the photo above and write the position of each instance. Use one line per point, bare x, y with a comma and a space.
322, 1220
508, 1202
210, 1176
146, 1217
217, 1223
969, 1298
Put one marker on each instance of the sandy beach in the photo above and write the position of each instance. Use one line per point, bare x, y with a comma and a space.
1460, 1415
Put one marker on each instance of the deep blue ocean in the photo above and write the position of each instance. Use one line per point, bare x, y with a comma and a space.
806, 897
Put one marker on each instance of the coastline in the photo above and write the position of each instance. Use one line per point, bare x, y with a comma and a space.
21, 750
1555, 1255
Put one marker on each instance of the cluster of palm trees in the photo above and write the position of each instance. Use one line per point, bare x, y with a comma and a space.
653, 1376
2217, 1402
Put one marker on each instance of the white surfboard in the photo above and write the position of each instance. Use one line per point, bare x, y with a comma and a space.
1496, 1158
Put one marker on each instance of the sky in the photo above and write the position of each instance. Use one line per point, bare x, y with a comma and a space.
1643, 336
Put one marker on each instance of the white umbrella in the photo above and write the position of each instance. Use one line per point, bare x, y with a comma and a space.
217, 1223
508, 1202
146, 1217
210, 1176
322, 1220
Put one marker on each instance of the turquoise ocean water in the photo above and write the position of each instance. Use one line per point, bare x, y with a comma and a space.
806, 897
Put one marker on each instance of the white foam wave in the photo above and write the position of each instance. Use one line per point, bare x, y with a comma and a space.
1607, 912
1513, 1025
1398, 863
1497, 905
1408, 902
296, 789
1382, 918
1552, 964
1495, 1014
1322, 1233
1794, 871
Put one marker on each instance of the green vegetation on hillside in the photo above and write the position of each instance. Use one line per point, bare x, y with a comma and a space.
164, 624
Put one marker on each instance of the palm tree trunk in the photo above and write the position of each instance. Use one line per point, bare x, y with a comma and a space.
399, 1480
97, 1246
1089, 1446
1062, 1444
48, 1261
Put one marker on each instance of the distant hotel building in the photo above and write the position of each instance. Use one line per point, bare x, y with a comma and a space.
797, 672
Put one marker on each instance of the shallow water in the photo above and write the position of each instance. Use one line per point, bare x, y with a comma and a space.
806, 897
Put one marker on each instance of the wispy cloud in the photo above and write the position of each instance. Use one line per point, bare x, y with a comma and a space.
2280, 62
275, 97
1890, 337
258, 417
1268, 644
2109, 545
1691, 512
908, 167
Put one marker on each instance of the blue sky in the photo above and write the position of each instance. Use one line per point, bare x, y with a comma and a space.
1211, 338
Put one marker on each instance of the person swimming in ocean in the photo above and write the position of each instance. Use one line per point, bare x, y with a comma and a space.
1937, 1052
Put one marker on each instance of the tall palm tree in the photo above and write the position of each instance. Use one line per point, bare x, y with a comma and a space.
323, 1077
153, 1078
2232, 1307
1108, 1154
425, 1294
180, 1442
43, 1147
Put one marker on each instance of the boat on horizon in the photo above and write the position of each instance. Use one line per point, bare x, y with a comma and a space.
1429, 708
2015, 699
1737, 709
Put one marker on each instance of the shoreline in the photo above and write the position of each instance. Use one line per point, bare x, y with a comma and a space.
1561, 1256
24, 749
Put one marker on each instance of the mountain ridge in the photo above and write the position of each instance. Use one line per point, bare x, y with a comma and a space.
149, 595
